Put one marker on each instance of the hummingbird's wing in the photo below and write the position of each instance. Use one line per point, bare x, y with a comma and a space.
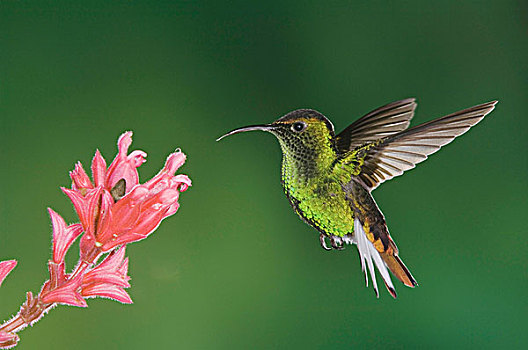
381, 160
382, 122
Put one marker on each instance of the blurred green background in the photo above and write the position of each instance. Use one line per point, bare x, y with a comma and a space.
235, 268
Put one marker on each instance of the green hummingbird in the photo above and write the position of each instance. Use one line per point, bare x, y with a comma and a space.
329, 179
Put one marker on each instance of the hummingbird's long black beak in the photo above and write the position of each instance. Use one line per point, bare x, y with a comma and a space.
261, 127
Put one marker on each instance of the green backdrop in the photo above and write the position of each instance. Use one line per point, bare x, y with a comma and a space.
235, 268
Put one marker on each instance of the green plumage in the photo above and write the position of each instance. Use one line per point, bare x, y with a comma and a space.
310, 182
328, 179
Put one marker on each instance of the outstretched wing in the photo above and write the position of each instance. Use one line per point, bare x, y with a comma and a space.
381, 160
382, 122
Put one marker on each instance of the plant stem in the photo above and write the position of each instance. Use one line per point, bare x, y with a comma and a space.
35, 308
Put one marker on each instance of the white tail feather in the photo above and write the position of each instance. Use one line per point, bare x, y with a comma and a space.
368, 253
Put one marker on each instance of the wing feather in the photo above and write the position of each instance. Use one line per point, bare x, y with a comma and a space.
384, 159
381, 122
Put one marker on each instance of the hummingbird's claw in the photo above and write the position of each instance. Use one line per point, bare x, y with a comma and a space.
323, 242
336, 245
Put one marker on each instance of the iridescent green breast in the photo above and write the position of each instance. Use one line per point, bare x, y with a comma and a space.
320, 202
309, 182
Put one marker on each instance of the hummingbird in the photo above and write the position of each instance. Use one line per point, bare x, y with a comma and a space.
328, 178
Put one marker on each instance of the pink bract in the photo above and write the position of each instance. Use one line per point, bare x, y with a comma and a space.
109, 278
5, 268
8, 340
67, 294
63, 236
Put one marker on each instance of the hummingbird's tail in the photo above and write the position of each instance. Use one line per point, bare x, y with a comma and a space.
369, 254
383, 260
398, 269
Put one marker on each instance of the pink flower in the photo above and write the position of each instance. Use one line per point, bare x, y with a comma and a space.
109, 278
114, 209
118, 209
5, 268
8, 340
80, 180
88, 208
141, 211
123, 167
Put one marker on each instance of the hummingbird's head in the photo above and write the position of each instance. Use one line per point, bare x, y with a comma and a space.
301, 133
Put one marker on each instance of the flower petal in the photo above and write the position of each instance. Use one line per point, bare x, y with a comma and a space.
123, 166
79, 178
181, 182
105, 214
5, 268
63, 236
107, 291
78, 202
147, 223
98, 169
105, 277
109, 271
173, 162
113, 261
173, 208
92, 209
123, 269
85, 206
136, 158
126, 169
124, 142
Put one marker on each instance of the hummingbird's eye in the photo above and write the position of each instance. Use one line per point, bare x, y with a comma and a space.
298, 126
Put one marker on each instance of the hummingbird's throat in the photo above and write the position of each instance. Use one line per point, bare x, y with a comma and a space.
299, 165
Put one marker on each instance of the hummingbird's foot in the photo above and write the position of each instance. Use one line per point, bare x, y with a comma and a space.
322, 237
336, 245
